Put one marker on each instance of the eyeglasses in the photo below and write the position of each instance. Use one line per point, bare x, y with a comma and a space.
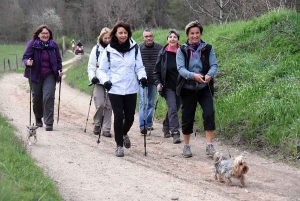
44, 33
148, 36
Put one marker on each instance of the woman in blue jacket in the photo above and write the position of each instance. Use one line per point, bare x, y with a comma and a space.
121, 70
43, 57
197, 65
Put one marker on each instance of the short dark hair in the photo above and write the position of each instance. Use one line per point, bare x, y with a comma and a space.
193, 24
174, 32
125, 25
39, 30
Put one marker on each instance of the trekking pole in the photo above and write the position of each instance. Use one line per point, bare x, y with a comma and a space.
103, 113
156, 102
220, 126
87, 118
30, 91
144, 102
59, 99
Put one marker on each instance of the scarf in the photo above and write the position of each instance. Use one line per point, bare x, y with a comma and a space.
125, 47
103, 44
44, 45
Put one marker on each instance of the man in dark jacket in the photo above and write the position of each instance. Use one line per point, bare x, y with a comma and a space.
149, 51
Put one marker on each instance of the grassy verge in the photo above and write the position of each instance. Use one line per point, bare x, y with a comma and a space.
20, 178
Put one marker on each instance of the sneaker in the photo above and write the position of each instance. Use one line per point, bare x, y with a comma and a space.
96, 130
49, 127
150, 128
187, 151
126, 142
176, 137
120, 151
38, 122
106, 134
166, 132
210, 150
143, 131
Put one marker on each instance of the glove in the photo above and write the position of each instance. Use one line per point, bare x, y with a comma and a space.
143, 82
107, 85
95, 80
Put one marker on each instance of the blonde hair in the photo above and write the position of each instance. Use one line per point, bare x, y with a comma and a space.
192, 24
105, 30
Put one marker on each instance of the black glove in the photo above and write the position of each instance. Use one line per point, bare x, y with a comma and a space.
143, 82
107, 85
95, 80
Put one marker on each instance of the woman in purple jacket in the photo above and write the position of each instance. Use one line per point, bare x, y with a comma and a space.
43, 57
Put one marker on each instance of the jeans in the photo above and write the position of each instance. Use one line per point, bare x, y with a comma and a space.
150, 94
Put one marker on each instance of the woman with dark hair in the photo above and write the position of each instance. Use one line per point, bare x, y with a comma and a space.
197, 65
100, 99
42, 56
166, 76
121, 70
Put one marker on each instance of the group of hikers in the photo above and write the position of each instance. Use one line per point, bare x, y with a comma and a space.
119, 69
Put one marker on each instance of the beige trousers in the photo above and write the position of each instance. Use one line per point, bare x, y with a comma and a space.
102, 101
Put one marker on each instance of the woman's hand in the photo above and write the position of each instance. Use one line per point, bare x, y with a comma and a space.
60, 73
29, 62
199, 78
207, 78
159, 87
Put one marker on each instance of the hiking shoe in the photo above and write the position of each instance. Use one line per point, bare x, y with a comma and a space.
176, 137
143, 131
96, 130
38, 122
166, 132
210, 150
106, 134
126, 142
150, 128
49, 127
120, 151
187, 151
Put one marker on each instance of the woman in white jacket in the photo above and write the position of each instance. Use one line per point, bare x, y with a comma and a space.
121, 70
100, 98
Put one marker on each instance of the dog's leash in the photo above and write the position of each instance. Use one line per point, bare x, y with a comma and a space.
224, 136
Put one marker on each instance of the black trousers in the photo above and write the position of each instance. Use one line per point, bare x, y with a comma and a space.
189, 100
123, 107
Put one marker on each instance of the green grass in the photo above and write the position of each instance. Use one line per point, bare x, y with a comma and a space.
257, 85
14, 54
20, 178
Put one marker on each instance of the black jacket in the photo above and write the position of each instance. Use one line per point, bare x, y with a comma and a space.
149, 56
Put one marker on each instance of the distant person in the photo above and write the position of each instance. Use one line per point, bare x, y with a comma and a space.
99, 91
73, 43
79, 44
197, 64
149, 51
42, 56
122, 70
166, 78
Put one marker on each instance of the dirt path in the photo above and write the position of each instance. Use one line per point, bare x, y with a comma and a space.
84, 171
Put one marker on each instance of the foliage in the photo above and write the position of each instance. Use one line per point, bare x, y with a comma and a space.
12, 52
20, 178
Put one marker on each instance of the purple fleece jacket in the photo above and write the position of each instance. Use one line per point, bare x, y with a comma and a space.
34, 51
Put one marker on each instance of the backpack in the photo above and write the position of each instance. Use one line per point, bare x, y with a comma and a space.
136, 52
97, 55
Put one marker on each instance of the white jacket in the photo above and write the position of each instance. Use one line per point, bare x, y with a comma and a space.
92, 64
124, 72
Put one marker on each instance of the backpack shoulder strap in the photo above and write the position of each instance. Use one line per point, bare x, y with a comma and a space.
108, 55
97, 54
136, 50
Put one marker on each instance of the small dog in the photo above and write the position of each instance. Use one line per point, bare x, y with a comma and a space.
224, 168
31, 132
